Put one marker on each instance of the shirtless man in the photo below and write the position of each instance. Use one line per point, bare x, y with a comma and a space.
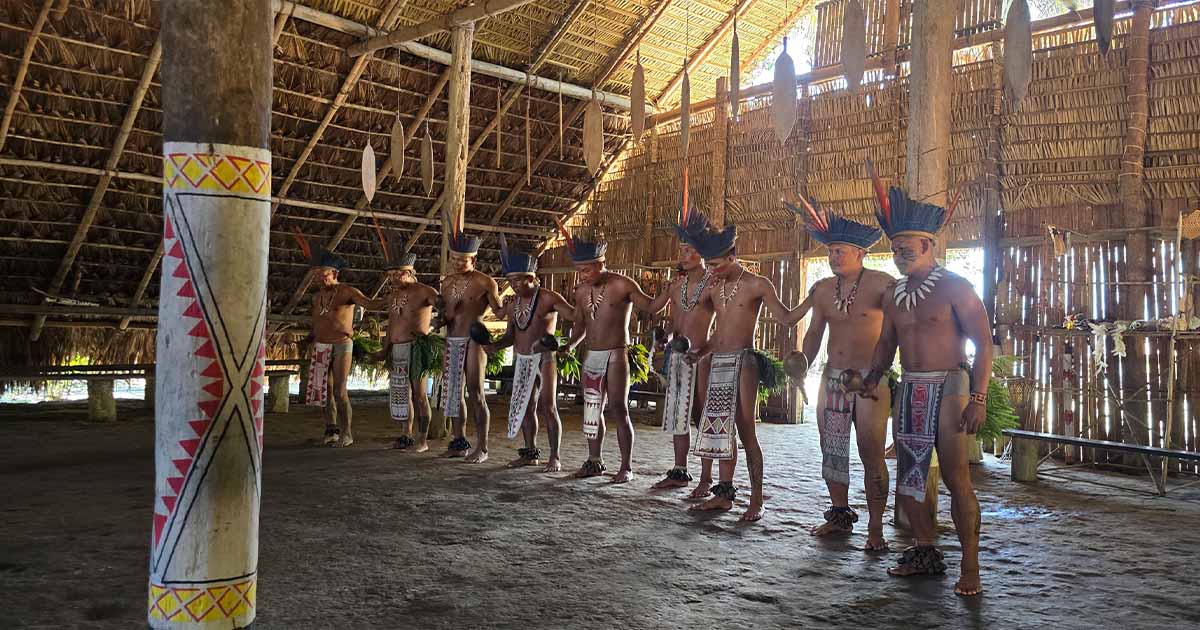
466, 294
930, 313
602, 308
851, 305
410, 311
735, 367
330, 354
690, 318
532, 315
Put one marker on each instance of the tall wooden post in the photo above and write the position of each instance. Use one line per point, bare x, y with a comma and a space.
927, 155
216, 94
927, 161
458, 124
1135, 213
720, 151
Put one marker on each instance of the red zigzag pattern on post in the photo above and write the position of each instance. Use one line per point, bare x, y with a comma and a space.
213, 390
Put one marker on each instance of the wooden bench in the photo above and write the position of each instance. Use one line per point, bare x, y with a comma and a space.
1026, 457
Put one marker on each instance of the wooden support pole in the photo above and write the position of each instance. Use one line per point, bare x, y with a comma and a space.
14, 96
927, 162
278, 397
992, 199
891, 32
458, 128
211, 342
1025, 457
102, 407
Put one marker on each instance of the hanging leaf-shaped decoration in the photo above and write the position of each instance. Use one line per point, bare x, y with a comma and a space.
637, 100
528, 152
397, 148
854, 45
368, 172
1103, 12
783, 95
593, 136
735, 75
685, 114
499, 125
427, 162
1018, 51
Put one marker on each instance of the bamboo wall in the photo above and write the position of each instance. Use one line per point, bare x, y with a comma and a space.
1054, 160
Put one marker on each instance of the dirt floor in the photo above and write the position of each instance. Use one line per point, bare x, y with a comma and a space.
371, 538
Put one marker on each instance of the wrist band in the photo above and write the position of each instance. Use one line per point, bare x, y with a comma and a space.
979, 397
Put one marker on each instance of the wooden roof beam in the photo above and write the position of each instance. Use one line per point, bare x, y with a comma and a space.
14, 96
706, 49
114, 158
439, 24
615, 62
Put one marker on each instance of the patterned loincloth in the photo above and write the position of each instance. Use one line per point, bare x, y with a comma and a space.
918, 409
454, 365
317, 391
400, 397
681, 392
595, 368
718, 424
527, 369
836, 417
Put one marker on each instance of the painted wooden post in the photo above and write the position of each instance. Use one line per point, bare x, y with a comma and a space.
148, 393
216, 92
102, 407
458, 122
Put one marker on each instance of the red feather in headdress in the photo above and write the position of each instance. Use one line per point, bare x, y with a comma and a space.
880, 191
387, 257
820, 220
566, 235
302, 243
683, 214
953, 205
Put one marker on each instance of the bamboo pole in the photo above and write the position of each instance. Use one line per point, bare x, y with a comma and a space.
458, 123
26, 56
114, 158
452, 21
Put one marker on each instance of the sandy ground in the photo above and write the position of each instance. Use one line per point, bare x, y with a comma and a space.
371, 538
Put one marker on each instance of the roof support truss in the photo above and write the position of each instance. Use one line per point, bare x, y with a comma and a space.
30, 44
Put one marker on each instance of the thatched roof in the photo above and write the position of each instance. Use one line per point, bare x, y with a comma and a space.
85, 70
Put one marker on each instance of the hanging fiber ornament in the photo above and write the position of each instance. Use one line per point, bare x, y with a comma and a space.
637, 100
499, 124
783, 95
1018, 51
854, 45
528, 152
368, 172
685, 114
427, 162
593, 136
397, 148
1102, 10
735, 72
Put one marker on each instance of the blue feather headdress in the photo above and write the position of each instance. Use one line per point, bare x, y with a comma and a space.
462, 243
321, 258
394, 256
515, 262
691, 222
582, 251
709, 242
829, 229
900, 215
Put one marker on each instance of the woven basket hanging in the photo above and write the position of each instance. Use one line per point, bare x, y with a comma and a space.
593, 136
368, 172
397, 148
427, 162
783, 95
735, 74
1103, 11
1018, 51
854, 45
637, 100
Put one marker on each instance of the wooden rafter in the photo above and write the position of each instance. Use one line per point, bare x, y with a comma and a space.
539, 57
464, 15
30, 44
614, 63
706, 49
114, 158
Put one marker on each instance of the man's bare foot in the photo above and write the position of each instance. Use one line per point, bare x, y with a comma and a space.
450, 453
331, 435
714, 504
521, 462
676, 478
919, 561
702, 489
968, 585
622, 476
552, 466
876, 542
827, 529
478, 456
590, 468
344, 441
421, 447
838, 521
753, 514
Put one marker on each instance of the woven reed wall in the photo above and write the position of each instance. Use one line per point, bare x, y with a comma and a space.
974, 16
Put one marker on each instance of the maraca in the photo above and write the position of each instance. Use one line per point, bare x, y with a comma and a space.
681, 344
546, 343
479, 334
852, 383
796, 366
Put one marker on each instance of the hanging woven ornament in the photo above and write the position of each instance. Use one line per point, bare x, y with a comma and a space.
783, 95
854, 45
685, 114
397, 148
1103, 12
593, 136
499, 125
427, 162
368, 172
735, 74
1018, 51
528, 152
637, 100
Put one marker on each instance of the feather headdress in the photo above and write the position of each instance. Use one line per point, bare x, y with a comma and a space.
320, 258
512, 262
462, 243
582, 251
829, 229
900, 215
709, 242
